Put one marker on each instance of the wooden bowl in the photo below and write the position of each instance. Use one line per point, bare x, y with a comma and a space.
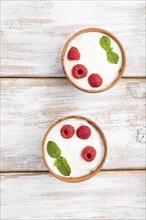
106, 33
82, 178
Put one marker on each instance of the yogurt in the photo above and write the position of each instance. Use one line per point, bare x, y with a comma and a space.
94, 58
72, 148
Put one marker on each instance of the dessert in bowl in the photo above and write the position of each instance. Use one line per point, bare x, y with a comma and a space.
93, 60
74, 149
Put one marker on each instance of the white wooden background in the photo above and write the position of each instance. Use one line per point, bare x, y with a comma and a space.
35, 93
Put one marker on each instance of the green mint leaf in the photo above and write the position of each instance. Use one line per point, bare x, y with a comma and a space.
62, 166
112, 57
105, 42
53, 149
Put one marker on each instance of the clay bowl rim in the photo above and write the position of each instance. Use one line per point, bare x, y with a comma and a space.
99, 30
88, 176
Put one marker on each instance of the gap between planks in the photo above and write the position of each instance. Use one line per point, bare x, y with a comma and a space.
45, 171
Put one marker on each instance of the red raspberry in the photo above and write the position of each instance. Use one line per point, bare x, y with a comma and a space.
79, 71
73, 54
67, 131
95, 80
89, 153
83, 132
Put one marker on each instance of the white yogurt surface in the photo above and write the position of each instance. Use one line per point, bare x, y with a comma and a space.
94, 57
71, 148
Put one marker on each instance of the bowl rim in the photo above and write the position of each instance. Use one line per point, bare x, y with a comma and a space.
99, 30
82, 178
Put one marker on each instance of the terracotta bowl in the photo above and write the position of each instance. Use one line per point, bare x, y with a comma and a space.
106, 33
82, 178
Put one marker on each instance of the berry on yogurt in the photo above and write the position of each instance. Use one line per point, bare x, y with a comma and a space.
95, 80
73, 54
83, 132
79, 71
67, 131
89, 153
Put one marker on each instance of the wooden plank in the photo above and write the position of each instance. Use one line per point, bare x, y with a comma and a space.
108, 196
29, 106
33, 38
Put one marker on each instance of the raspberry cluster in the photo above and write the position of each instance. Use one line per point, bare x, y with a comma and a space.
79, 71
83, 132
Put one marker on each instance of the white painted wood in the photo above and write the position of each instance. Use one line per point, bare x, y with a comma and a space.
34, 33
108, 196
29, 106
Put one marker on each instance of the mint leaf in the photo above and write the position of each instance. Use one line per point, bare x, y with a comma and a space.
60, 162
112, 57
62, 166
53, 149
105, 42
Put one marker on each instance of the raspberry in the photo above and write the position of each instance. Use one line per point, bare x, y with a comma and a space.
83, 132
95, 80
73, 54
79, 71
89, 153
67, 131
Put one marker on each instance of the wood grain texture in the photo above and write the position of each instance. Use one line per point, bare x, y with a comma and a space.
29, 106
33, 38
33, 34
108, 196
